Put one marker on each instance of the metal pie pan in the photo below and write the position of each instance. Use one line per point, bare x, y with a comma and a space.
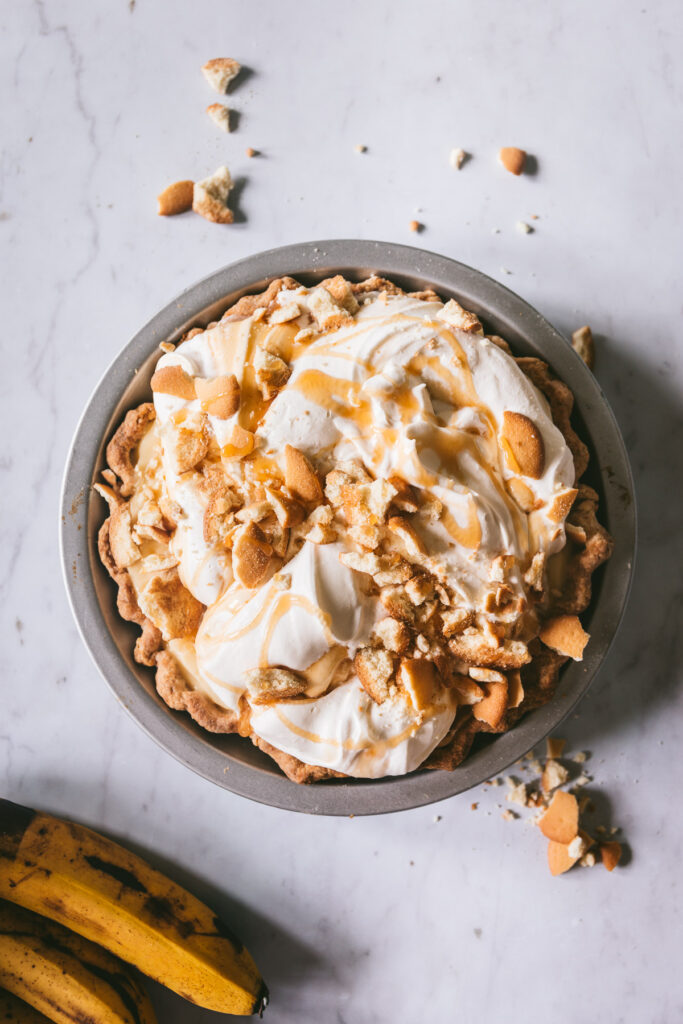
230, 761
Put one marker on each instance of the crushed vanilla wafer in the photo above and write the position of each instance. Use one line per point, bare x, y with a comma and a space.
220, 72
558, 809
220, 115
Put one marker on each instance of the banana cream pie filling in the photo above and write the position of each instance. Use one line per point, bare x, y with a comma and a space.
350, 528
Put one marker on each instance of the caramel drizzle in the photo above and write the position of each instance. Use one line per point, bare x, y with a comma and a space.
286, 602
369, 748
278, 603
222, 638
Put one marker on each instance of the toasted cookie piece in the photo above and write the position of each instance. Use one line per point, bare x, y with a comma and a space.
220, 72
173, 380
251, 555
210, 197
454, 314
417, 677
560, 507
219, 397
563, 856
610, 854
583, 344
123, 547
393, 634
526, 443
171, 606
494, 705
220, 115
566, 635
561, 820
512, 159
301, 478
375, 669
175, 198
266, 685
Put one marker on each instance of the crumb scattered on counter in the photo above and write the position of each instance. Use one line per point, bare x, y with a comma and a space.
220, 115
558, 812
512, 159
176, 198
220, 72
584, 345
457, 158
210, 197
416, 225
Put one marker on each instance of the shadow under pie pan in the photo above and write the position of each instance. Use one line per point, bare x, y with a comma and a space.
230, 761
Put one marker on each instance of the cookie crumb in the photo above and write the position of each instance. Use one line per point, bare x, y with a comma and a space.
457, 158
554, 775
220, 72
584, 346
360, 148
176, 198
512, 159
523, 227
220, 115
415, 225
517, 793
251, 152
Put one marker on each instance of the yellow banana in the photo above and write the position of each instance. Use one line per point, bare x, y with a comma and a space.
64, 975
108, 894
16, 1011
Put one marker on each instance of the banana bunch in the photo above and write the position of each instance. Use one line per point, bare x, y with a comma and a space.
65, 976
107, 894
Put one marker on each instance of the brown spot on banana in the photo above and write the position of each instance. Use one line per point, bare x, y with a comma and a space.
115, 871
14, 820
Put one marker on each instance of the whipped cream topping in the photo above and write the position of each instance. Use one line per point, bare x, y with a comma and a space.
313, 606
404, 392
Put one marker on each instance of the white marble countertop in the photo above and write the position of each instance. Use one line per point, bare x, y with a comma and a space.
404, 917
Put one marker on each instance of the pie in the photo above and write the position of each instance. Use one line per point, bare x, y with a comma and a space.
351, 528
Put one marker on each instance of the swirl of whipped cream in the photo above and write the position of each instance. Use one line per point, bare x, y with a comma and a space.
406, 393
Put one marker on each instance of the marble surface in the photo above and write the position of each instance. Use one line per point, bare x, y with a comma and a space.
439, 913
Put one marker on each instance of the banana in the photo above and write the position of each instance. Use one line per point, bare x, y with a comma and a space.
108, 894
64, 975
16, 1011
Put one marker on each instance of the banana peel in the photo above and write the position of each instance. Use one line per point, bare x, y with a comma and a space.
16, 1011
64, 976
111, 896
